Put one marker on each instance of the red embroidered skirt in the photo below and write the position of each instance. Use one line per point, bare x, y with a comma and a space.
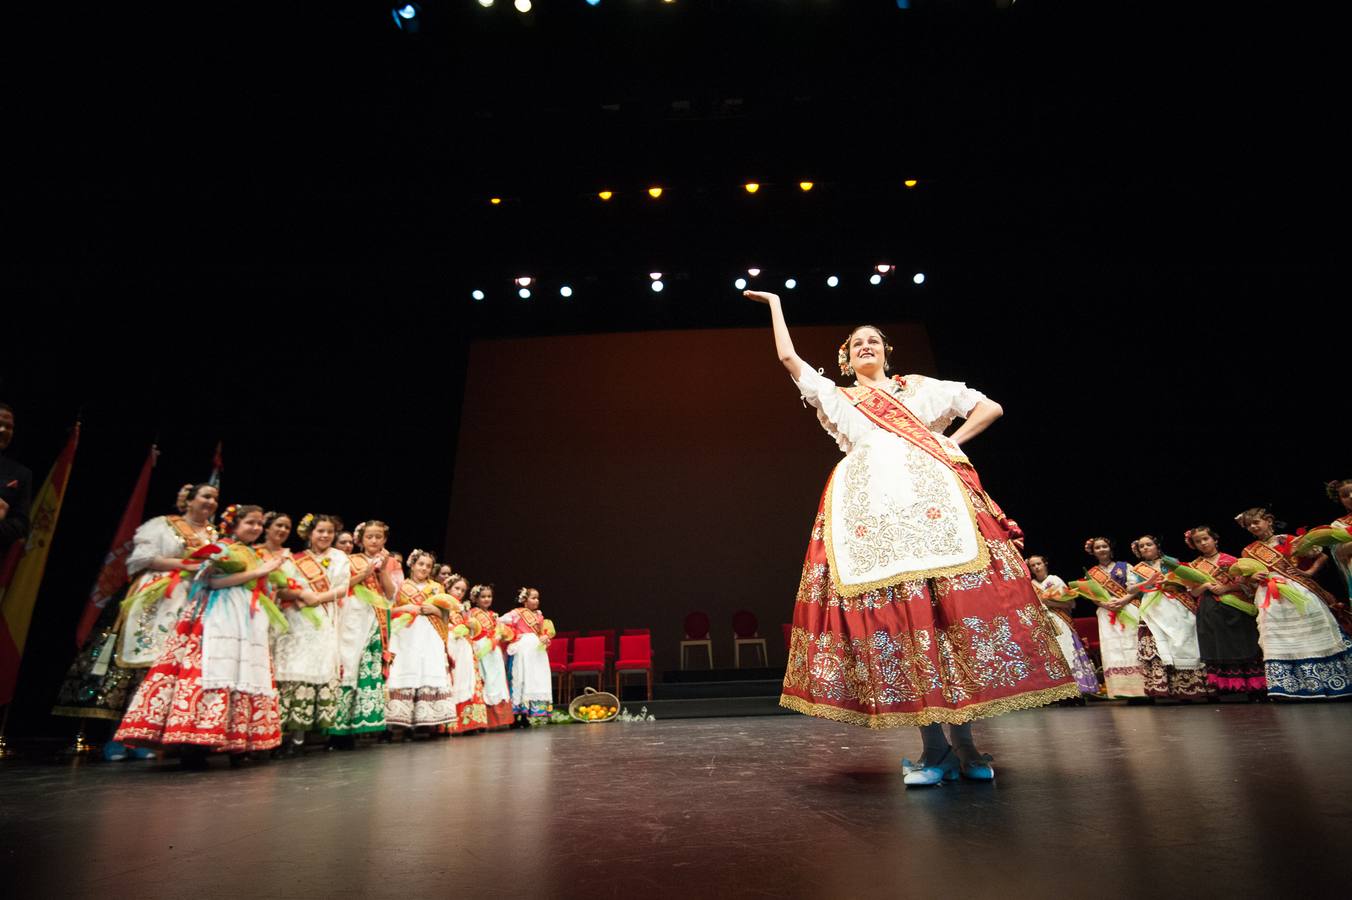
925, 651
171, 706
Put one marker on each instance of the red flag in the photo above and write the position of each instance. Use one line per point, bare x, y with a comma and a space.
113, 576
217, 467
19, 592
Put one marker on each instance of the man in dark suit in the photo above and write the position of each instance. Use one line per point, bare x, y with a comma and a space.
16, 487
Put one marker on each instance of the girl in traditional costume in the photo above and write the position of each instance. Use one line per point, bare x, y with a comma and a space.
1119, 620
1051, 590
306, 655
1227, 626
488, 650
1166, 645
276, 530
211, 688
1340, 491
467, 683
532, 679
420, 676
914, 606
346, 542
1305, 653
105, 676
363, 638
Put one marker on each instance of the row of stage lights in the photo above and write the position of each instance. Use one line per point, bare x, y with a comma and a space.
655, 282
751, 187
406, 15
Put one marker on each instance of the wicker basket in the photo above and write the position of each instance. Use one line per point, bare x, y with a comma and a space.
587, 698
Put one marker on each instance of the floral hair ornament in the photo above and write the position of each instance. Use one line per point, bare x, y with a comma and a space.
307, 522
228, 517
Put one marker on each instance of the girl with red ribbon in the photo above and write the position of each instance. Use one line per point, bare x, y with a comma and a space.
1227, 630
211, 688
914, 607
1119, 620
1306, 655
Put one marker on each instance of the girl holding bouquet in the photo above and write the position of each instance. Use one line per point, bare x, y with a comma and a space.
1051, 590
1119, 620
211, 688
306, 654
488, 651
1170, 658
532, 681
467, 684
1227, 627
420, 676
1305, 653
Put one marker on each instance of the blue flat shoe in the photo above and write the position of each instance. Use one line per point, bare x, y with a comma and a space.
114, 752
142, 753
979, 769
921, 776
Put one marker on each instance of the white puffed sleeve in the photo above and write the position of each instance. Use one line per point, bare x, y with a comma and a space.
938, 402
1053, 582
834, 410
153, 538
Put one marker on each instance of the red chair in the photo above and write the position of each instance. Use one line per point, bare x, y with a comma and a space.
609, 635
788, 635
697, 635
744, 634
625, 631
636, 655
558, 662
589, 658
1087, 627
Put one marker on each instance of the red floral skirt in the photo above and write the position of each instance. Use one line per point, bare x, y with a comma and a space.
171, 706
945, 649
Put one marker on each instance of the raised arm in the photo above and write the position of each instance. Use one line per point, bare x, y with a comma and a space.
783, 343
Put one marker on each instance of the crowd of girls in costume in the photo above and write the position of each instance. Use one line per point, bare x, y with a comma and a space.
231, 641
1206, 623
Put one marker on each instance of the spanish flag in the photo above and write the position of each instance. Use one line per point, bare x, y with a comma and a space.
19, 590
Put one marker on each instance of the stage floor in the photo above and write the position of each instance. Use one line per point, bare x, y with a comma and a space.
1105, 801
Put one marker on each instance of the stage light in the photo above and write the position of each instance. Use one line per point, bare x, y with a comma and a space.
910, 182
565, 291
406, 17
903, 4
523, 281
805, 185
485, 3
606, 195
655, 276
477, 295
753, 272
657, 287
919, 278
790, 283
654, 192
524, 293
496, 201
522, 6
883, 268
751, 187
593, 2
875, 279
832, 281
740, 284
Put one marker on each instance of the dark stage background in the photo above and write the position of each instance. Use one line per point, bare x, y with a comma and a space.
637, 477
